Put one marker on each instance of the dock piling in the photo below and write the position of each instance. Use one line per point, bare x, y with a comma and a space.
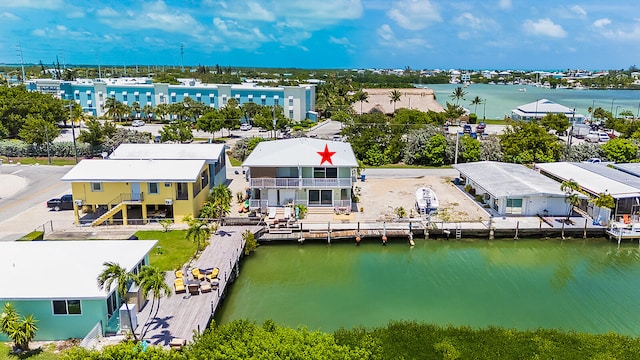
517, 227
584, 232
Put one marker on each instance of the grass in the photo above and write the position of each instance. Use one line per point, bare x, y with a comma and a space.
493, 121
175, 249
234, 161
38, 160
45, 353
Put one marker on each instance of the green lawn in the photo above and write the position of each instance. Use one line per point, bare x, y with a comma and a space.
44, 354
234, 161
38, 160
175, 249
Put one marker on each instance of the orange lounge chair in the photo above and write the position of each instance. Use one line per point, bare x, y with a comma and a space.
197, 274
627, 219
178, 284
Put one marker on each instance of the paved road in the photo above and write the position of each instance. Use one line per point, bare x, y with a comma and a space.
43, 183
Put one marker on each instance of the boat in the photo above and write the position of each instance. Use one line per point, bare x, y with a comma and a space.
426, 200
522, 90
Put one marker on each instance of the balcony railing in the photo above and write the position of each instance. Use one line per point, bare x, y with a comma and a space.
284, 183
263, 204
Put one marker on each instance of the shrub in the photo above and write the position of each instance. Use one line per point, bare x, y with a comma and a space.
34, 235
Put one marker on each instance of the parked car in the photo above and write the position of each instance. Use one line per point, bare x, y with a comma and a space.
245, 127
592, 137
593, 161
466, 128
481, 127
63, 203
137, 123
603, 137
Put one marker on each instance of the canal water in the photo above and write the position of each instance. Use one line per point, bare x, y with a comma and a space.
501, 99
590, 286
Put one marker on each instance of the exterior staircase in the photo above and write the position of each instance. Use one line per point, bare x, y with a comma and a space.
102, 218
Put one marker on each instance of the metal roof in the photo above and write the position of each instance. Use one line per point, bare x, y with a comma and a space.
71, 267
611, 173
544, 106
301, 152
168, 151
509, 180
589, 180
630, 168
112, 170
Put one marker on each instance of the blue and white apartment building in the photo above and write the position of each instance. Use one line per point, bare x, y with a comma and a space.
298, 102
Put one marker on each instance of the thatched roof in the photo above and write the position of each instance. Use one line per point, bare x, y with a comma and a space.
379, 101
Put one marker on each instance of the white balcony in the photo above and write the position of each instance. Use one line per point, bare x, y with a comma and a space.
294, 183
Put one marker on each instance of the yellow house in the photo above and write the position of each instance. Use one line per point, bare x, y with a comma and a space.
139, 190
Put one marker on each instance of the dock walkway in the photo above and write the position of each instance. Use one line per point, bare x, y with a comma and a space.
180, 314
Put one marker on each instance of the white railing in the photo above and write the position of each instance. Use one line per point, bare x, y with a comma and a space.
297, 182
92, 338
258, 204
342, 203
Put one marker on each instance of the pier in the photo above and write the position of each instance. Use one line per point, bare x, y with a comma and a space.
181, 314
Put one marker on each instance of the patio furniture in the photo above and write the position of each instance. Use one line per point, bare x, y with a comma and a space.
213, 274
194, 287
179, 274
177, 343
197, 274
287, 212
215, 283
272, 213
178, 285
205, 287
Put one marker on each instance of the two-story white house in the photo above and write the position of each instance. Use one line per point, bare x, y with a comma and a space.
311, 172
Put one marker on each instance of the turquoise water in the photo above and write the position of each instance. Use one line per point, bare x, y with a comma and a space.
501, 99
586, 286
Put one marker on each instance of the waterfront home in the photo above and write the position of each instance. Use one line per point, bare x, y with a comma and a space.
539, 109
512, 189
139, 189
212, 154
92, 94
67, 302
595, 179
311, 172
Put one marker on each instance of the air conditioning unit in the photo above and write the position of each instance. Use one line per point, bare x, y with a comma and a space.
126, 314
168, 202
78, 202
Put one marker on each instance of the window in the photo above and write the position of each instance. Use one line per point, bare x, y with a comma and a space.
204, 179
276, 101
67, 307
325, 173
182, 191
290, 114
320, 197
153, 188
263, 101
112, 303
167, 184
514, 206
96, 186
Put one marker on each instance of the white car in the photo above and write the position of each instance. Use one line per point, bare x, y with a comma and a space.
137, 123
245, 127
603, 137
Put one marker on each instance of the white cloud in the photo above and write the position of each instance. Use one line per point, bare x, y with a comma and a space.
468, 20
339, 41
106, 12
38, 32
600, 23
243, 38
247, 11
414, 14
37, 4
544, 27
579, 10
8, 16
387, 38
154, 15
630, 33
504, 4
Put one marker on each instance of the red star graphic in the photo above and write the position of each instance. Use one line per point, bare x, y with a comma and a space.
326, 155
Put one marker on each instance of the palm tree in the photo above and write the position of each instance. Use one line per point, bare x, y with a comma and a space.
147, 110
111, 107
394, 97
136, 109
114, 273
198, 231
476, 101
572, 198
361, 96
221, 198
458, 94
152, 279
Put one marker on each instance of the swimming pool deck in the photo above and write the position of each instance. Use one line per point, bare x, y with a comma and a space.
180, 315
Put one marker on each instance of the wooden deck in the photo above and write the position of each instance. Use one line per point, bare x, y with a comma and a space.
180, 314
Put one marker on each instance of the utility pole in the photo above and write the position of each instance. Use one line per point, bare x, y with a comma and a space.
182, 57
73, 131
46, 137
21, 62
274, 121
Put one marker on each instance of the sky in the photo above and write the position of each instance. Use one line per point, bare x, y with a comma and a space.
347, 34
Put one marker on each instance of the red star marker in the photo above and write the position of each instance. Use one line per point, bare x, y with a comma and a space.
326, 155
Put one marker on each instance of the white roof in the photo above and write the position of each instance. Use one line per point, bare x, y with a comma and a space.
135, 170
509, 180
301, 152
168, 151
589, 180
63, 269
543, 107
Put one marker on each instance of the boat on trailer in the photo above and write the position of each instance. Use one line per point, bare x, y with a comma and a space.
426, 200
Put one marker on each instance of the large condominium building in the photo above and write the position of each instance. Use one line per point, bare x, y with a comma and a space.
298, 102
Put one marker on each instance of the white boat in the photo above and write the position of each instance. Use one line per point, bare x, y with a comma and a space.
522, 90
426, 200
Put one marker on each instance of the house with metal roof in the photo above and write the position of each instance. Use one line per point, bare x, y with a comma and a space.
311, 172
596, 179
212, 154
140, 189
67, 302
513, 189
539, 109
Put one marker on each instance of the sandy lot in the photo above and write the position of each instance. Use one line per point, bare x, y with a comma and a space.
380, 198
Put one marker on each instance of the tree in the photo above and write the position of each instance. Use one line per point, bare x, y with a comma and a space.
528, 142
458, 94
250, 242
179, 131
221, 198
469, 149
620, 150
113, 273
453, 111
147, 111
152, 279
249, 110
198, 231
394, 97
20, 331
210, 122
476, 101
38, 131
231, 114
111, 108
361, 96
557, 122
572, 198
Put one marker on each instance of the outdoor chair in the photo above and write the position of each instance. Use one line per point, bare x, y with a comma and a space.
179, 274
287, 212
194, 288
213, 274
272, 213
197, 274
205, 286
178, 284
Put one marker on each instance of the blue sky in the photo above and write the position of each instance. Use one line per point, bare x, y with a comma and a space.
495, 34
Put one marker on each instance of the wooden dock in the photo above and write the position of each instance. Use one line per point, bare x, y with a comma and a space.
180, 314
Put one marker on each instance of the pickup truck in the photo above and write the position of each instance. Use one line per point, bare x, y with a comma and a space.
63, 203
